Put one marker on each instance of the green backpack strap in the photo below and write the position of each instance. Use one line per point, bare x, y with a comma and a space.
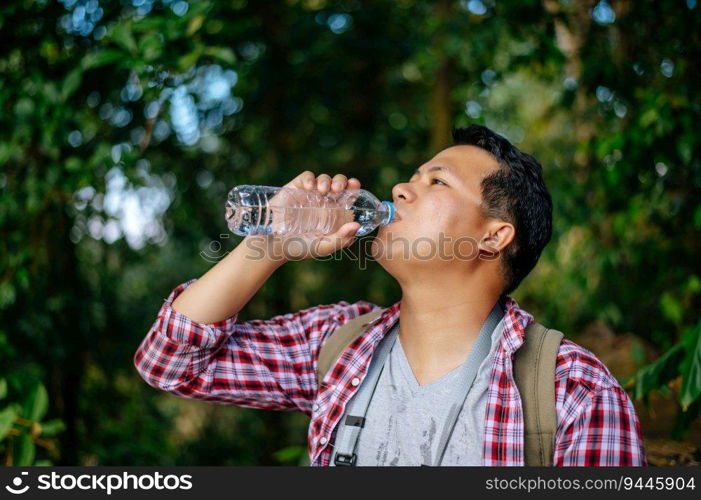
534, 373
339, 340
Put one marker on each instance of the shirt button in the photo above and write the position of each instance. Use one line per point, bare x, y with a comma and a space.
355, 382
316, 406
323, 440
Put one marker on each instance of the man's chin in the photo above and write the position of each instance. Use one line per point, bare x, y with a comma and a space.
388, 255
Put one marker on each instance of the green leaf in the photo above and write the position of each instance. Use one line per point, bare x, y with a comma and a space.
657, 374
693, 284
7, 294
3, 388
649, 117
187, 61
685, 149
7, 418
224, 54
36, 404
290, 454
101, 58
194, 25
24, 107
71, 83
685, 420
671, 308
151, 47
24, 450
124, 37
691, 368
73, 164
52, 427
697, 217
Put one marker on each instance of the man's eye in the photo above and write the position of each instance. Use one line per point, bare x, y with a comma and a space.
433, 180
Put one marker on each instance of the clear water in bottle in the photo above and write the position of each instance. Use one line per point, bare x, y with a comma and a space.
286, 210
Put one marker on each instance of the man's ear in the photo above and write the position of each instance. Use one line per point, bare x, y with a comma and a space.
498, 236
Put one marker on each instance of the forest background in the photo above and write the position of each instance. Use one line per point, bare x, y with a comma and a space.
123, 124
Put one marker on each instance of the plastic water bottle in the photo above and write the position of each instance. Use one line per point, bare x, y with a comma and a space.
287, 210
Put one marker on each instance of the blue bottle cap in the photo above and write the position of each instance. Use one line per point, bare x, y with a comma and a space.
390, 207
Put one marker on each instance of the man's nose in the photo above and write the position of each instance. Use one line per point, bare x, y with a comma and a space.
403, 191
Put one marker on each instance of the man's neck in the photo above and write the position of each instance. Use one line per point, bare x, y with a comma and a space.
439, 323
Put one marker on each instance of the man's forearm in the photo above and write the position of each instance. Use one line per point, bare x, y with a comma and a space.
228, 286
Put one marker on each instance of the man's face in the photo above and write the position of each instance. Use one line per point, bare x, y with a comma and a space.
439, 216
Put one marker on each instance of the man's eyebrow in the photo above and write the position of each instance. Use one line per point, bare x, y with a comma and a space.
434, 168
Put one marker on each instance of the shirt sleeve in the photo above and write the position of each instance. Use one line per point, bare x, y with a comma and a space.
264, 364
605, 433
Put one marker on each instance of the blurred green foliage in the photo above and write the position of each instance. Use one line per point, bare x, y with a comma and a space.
125, 123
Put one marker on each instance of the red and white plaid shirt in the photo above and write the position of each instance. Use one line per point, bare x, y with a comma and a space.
271, 364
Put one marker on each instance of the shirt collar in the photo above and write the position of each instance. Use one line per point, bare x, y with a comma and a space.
515, 324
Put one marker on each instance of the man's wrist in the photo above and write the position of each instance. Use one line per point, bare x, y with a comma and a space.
260, 248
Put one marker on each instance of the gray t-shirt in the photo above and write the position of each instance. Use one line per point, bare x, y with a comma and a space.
405, 420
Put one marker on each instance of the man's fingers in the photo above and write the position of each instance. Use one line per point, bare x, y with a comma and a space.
305, 180
309, 180
338, 183
324, 183
340, 239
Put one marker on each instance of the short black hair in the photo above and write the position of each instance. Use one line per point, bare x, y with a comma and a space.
515, 193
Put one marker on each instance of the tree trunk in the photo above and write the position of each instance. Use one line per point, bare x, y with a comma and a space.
441, 105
